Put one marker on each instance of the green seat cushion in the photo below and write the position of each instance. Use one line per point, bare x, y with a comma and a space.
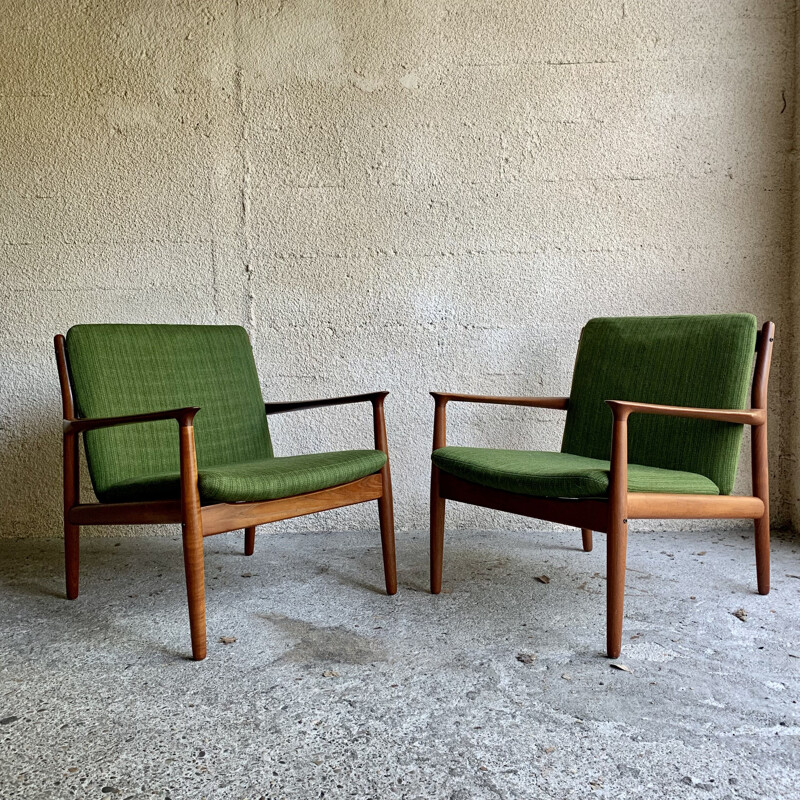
703, 361
541, 474
132, 369
266, 479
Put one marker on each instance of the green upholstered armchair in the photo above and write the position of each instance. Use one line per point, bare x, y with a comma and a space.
683, 384
124, 387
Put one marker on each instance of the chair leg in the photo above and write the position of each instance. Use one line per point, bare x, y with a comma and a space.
195, 584
386, 517
72, 533
761, 489
762, 553
586, 535
437, 532
616, 551
249, 540
72, 547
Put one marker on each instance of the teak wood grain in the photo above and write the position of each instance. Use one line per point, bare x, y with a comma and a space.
223, 517
198, 521
611, 514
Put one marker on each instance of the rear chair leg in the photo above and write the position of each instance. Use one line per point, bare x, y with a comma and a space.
762, 553
437, 532
249, 540
586, 535
761, 489
72, 533
386, 517
617, 545
72, 547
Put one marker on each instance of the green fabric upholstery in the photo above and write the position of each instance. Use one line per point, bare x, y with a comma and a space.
118, 370
541, 474
132, 369
703, 361
266, 479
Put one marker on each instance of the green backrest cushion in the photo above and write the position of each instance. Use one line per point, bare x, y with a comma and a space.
701, 361
132, 369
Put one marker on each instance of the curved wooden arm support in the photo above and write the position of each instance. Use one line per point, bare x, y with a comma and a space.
184, 416
558, 403
441, 399
622, 409
299, 405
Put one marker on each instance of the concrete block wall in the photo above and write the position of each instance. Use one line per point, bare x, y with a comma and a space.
401, 195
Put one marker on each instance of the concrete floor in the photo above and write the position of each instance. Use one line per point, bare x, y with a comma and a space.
332, 689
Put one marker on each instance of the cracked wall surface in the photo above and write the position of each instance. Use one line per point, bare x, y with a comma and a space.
402, 195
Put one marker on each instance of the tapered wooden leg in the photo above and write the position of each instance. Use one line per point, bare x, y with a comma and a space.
72, 535
586, 535
617, 546
249, 540
72, 532
195, 587
437, 532
761, 489
386, 517
192, 528
762, 553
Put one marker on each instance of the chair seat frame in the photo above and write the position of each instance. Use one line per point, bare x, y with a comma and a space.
610, 515
197, 520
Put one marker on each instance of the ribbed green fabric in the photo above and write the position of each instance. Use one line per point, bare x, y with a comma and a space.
542, 474
267, 479
132, 369
703, 361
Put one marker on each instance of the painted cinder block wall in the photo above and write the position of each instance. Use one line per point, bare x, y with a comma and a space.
403, 195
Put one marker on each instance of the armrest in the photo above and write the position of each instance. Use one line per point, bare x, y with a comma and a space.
559, 403
184, 416
298, 405
376, 398
442, 399
622, 409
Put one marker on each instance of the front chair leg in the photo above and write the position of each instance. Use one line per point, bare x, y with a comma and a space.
192, 528
249, 540
437, 532
195, 585
616, 550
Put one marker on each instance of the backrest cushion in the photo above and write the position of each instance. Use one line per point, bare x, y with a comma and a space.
132, 369
703, 361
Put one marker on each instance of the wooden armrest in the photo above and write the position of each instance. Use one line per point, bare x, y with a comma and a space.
622, 409
559, 403
184, 416
298, 405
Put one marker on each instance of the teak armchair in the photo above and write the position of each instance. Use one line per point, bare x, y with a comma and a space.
125, 386
683, 383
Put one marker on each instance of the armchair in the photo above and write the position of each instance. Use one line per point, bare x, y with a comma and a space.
686, 381
220, 473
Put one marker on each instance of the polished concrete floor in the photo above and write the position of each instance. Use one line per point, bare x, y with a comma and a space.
498, 688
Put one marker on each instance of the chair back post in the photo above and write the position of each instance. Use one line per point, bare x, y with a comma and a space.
764, 344
67, 402
759, 456
71, 471
70, 438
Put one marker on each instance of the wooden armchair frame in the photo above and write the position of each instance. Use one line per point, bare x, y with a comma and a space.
610, 515
197, 520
